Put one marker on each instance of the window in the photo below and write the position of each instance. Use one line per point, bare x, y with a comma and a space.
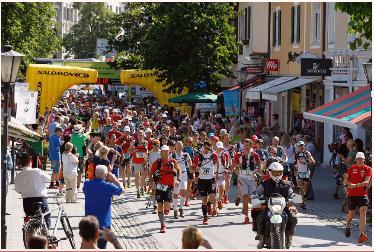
295, 24
330, 23
245, 24
65, 13
316, 23
277, 28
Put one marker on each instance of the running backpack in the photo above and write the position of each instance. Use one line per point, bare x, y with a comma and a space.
251, 165
202, 158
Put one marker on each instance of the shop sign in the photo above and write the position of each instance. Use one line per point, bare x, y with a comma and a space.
254, 69
316, 67
272, 65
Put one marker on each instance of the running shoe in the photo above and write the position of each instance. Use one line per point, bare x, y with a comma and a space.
246, 220
347, 232
163, 228
181, 213
225, 199
363, 238
220, 206
237, 201
205, 220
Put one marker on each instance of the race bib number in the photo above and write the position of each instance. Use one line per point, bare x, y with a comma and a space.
303, 175
126, 156
140, 155
246, 172
205, 171
161, 187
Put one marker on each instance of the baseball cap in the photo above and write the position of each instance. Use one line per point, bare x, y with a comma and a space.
115, 110
148, 130
77, 128
219, 145
360, 155
222, 131
165, 148
300, 143
127, 128
211, 134
164, 116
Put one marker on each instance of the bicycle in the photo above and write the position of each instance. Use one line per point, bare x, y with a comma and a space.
36, 225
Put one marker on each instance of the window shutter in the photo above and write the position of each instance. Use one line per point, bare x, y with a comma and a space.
292, 24
298, 24
274, 28
279, 29
249, 23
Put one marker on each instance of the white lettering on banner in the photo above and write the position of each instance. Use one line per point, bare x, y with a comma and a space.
26, 102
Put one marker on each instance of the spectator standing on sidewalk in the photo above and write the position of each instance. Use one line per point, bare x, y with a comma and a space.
309, 146
98, 198
70, 172
78, 139
54, 155
357, 180
30, 183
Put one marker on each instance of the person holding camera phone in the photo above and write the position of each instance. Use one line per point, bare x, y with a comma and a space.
98, 197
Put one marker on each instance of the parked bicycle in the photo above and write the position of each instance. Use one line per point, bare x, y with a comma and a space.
35, 225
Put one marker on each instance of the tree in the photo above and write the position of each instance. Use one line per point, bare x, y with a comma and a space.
30, 28
360, 22
185, 42
96, 21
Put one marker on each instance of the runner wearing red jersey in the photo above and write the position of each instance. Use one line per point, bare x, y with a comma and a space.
357, 180
139, 159
162, 174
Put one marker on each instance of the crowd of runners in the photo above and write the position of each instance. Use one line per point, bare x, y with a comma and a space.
174, 158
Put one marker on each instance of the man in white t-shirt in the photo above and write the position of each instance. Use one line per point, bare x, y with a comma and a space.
31, 184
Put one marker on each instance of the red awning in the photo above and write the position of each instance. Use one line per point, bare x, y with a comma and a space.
246, 84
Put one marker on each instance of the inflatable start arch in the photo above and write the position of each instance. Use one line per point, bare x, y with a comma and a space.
148, 80
52, 81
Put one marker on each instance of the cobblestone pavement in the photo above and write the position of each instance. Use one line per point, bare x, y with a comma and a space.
320, 226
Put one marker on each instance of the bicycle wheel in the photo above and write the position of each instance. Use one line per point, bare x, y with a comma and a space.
32, 227
68, 230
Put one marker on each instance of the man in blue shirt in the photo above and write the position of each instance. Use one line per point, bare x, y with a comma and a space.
98, 193
52, 127
54, 144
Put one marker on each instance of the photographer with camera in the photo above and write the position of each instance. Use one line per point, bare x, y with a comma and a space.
98, 197
162, 173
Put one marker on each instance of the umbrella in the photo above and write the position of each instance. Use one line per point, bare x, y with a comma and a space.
195, 98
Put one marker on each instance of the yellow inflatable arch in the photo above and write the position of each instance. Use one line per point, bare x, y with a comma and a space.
52, 81
148, 80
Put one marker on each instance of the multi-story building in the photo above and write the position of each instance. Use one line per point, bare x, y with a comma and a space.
304, 35
67, 16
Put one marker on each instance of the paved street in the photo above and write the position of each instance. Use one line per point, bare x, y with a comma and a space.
319, 227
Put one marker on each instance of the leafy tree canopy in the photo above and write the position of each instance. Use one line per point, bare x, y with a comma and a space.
360, 22
186, 42
30, 28
96, 21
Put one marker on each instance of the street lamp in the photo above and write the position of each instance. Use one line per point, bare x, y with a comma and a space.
242, 76
10, 62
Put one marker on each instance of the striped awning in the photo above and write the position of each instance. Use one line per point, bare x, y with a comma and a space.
346, 111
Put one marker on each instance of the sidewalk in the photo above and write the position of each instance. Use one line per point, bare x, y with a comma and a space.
320, 226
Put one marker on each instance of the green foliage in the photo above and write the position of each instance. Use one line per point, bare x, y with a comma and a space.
96, 21
30, 28
185, 42
360, 22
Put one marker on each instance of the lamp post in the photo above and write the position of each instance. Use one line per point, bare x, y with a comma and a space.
242, 76
10, 62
